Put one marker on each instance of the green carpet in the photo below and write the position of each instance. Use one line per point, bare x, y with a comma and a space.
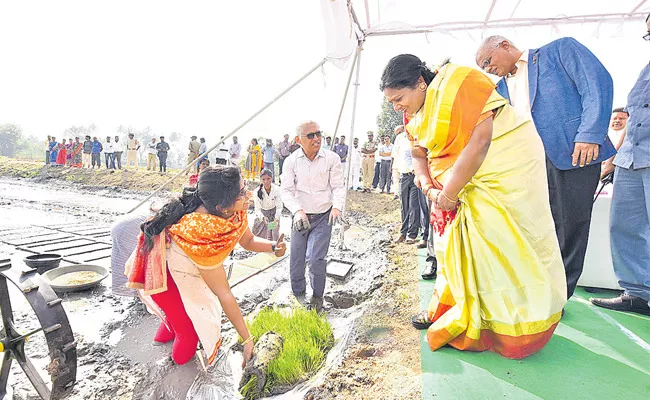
594, 354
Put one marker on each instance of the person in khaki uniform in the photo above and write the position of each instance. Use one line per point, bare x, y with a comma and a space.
132, 147
152, 155
368, 162
194, 149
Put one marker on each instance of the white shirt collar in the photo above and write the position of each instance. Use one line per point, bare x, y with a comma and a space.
321, 153
522, 59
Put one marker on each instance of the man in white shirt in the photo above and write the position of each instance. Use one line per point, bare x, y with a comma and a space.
118, 149
108, 153
313, 190
152, 155
385, 157
234, 151
355, 165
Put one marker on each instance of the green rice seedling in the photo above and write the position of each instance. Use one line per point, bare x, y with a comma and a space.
307, 339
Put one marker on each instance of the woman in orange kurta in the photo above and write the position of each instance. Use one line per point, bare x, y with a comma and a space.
501, 284
178, 263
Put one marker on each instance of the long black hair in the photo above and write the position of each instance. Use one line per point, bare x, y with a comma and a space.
217, 189
404, 71
259, 191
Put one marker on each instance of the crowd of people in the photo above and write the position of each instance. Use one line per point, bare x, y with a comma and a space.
500, 177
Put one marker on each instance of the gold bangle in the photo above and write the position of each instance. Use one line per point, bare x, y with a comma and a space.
250, 339
446, 197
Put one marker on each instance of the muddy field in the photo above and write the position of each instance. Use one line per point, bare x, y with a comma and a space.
376, 354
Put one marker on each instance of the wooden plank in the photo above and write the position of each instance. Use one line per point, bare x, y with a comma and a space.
63, 246
85, 249
97, 255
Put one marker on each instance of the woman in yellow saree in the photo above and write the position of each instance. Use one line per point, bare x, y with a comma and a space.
254, 160
501, 283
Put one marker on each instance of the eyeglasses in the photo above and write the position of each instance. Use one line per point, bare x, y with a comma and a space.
646, 36
486, 63
311, 136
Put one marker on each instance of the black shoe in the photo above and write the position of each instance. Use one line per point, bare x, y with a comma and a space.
431, 271
422, 244
624, 302
315, 303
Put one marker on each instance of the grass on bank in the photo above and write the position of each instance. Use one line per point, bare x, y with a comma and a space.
307, 338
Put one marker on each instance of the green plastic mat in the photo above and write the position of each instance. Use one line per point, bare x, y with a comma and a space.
594, 354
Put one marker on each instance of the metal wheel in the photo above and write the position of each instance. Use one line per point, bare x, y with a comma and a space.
54, 324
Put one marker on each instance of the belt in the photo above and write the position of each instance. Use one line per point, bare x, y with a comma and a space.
369, 155
316, 215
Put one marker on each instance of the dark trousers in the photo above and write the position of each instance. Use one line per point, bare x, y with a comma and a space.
271, 167
375, 178
385, 176
162, 157
571, 194
110, 160
47, 157
117, 159
281, 162
315, 242
220, 161
408, 195
425, 218
96, 160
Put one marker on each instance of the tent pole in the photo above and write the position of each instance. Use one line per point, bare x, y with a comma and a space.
346, 179
258, 112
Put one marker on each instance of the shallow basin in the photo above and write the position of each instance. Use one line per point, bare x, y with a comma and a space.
79, 277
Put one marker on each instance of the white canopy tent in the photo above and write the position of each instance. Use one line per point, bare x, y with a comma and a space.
349, 24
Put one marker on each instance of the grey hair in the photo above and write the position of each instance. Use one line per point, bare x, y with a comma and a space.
303, 124
492, 41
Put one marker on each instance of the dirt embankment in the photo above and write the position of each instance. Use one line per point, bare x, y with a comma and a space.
384, 361
125, 178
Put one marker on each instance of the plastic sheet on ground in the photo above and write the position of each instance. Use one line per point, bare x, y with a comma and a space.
217, 383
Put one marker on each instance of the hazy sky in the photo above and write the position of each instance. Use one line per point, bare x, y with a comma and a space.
202, 67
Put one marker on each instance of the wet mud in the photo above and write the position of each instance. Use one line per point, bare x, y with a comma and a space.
116, 357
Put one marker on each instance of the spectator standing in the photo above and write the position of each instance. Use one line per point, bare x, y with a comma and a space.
355, 165
313, 190
77, 151
96, 159
203, 148
328, 143
253, 164
268, 154
294, 146
385, 155
342, 150
86, 158
574, 130
152, 155
630, 213
54, 148
409, 192
162, 148
368, 162
222, 152
118, 149
132, 147
268, 208
235, 151
108, 153
616, 134
193, 147
283, 151
377, 171
47, 150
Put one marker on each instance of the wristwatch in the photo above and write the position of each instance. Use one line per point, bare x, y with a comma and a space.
273, 246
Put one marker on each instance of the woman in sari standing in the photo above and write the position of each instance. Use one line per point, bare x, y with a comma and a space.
54, 150
75, 156
254, 160
268, 208
501, 284
178, 263
62, 154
